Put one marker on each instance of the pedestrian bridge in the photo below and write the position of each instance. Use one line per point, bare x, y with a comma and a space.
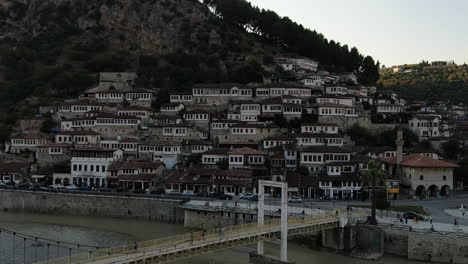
197, 243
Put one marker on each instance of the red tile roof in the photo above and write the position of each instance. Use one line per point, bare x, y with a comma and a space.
420, 161
245, 151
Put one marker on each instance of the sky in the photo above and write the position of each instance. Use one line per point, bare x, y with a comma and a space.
394, 32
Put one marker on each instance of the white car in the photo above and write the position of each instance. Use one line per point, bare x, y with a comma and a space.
295, 199
247, 196
56, 186
71, 187
188, 193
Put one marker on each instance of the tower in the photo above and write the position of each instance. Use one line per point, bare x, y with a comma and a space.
399, 157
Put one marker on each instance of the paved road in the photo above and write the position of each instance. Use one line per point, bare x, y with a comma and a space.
435, 207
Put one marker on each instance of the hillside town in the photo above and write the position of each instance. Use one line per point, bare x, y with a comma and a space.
224, 137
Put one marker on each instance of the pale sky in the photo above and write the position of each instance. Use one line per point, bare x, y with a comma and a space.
392, 31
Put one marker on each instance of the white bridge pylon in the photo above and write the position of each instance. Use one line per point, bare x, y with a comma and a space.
284, 214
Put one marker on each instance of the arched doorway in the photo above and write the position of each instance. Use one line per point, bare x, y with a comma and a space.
420, 191
445, 190
58, 181
432, 190
66, 181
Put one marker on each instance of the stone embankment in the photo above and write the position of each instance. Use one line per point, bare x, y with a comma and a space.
145, 208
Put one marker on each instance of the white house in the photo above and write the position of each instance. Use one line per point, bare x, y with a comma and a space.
89, 165
425, 176
425, 126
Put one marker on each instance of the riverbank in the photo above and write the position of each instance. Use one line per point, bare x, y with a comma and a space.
148, 208
101, 230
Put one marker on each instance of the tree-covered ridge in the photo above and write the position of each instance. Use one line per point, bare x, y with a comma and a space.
295, 38
424, 82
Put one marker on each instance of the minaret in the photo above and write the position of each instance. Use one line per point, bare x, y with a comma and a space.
399, 144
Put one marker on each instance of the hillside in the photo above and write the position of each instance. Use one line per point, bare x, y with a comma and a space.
425, 82
52, 49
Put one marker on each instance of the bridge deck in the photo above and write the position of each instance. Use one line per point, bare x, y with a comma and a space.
196, 243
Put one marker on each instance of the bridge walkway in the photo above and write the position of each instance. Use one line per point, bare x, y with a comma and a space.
196, 243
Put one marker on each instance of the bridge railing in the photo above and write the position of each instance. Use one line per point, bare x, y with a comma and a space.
193, 238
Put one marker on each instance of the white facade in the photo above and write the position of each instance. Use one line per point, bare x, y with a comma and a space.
89, 165
425, 127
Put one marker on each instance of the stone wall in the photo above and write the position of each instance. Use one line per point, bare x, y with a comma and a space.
166, 210
396, 242
210, 219
437, 248
371, 238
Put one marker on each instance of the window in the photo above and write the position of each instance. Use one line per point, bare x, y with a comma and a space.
444, 178
421, 177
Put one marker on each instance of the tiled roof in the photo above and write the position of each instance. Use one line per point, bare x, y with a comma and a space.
83, 102
334, 105
299, 180
420, 161
92, 149
245, 151
13, 167
57, 145
79, 133
280, 137
218, 85
217, 151
284, 85
32, 135
264, 125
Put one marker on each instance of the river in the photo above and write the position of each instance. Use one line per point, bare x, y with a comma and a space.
106, 232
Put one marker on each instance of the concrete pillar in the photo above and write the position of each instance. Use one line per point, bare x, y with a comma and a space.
284, 222
261, 213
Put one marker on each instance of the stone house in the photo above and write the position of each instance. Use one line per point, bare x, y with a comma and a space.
28, 141
424, 176
135, 174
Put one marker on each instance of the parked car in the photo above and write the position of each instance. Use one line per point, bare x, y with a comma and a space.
56, 186
104, 189
412, 215
84, 188
173, 192
158, 192
36, 187
188, 193
294, 199
141, 191
24, 185
71, 187
254, 198
225, 197
202, 194
246, 196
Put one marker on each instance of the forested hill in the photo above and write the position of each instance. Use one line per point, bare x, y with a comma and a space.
52, 49
425, 82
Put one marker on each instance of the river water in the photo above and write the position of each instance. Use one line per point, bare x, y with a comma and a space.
106, 232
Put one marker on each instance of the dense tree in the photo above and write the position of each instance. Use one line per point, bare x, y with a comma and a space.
294, 38
451, 149
421, 82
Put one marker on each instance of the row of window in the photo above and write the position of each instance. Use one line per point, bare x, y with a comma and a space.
29, 141
92, 168
319, 129
86, 108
